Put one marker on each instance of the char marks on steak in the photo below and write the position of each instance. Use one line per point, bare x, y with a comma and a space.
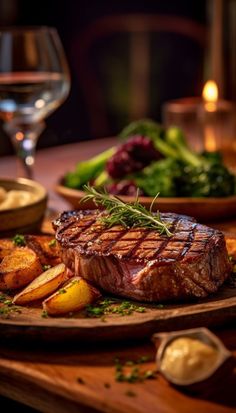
141, 263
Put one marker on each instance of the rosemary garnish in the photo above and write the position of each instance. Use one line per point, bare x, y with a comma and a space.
127, 214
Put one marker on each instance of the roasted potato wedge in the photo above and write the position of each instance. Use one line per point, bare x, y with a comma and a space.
45, 284
73, 296
231, 247
6, 247
46, 248
19, 268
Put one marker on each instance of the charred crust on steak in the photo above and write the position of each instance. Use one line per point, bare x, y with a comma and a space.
141, 263
83, 231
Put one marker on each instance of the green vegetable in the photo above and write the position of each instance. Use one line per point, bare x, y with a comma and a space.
170, 143
210, 180
213, 157
159, 177
175, 138
144, 127
152, 130
183, 172
102, 179
88, 170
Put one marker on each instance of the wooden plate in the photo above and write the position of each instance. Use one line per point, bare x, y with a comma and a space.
215, 310
29, 324
203, 209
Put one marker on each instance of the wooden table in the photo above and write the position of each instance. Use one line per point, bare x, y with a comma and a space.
77, 379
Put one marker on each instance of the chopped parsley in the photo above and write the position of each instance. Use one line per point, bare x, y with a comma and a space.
143, 359
44, 314
130, 372
62, 291
113, 306
46, 267
19, 240
7, 307
52, 243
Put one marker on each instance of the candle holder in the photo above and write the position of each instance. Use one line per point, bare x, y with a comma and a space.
209, 126
184, 113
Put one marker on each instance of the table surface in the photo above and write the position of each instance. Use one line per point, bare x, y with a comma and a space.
76, 379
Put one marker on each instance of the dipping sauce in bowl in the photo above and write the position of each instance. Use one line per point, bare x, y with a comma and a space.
15, 198
22, 206
189, 356
186, 357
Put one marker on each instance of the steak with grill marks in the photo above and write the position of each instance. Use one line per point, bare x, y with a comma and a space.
143, 264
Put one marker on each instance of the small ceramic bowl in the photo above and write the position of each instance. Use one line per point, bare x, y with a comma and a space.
27, 218
201, 334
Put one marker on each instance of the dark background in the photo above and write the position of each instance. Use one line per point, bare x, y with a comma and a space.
176, 62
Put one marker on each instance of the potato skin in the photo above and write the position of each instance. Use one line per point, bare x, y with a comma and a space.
6, 247
43, 285
46, 248
73, 296
19, 268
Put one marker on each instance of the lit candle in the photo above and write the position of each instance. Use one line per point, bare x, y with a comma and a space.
208, 122
210, 98
218, 120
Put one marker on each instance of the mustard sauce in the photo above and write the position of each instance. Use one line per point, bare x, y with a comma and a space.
188, 359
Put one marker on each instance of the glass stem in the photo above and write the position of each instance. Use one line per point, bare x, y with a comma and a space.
24, 139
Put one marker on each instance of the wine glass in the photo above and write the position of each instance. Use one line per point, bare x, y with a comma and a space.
34, 81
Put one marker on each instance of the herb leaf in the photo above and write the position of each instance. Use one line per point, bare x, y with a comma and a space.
127, 214
19, 240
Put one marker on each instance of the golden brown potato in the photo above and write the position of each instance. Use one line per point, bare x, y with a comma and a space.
45, 284
19, 268
46, 248
6, 246
73, 296
231, 247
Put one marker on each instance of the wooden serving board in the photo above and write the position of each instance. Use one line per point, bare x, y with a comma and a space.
218, 309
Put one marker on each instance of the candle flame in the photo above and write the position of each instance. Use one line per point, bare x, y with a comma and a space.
210, 91
210, 95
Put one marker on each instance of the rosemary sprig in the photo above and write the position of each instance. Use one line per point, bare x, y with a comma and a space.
127, 214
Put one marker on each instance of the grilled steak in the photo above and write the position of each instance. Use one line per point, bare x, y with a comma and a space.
140, 263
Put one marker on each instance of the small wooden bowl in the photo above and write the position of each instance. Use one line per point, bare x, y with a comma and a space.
26, 218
